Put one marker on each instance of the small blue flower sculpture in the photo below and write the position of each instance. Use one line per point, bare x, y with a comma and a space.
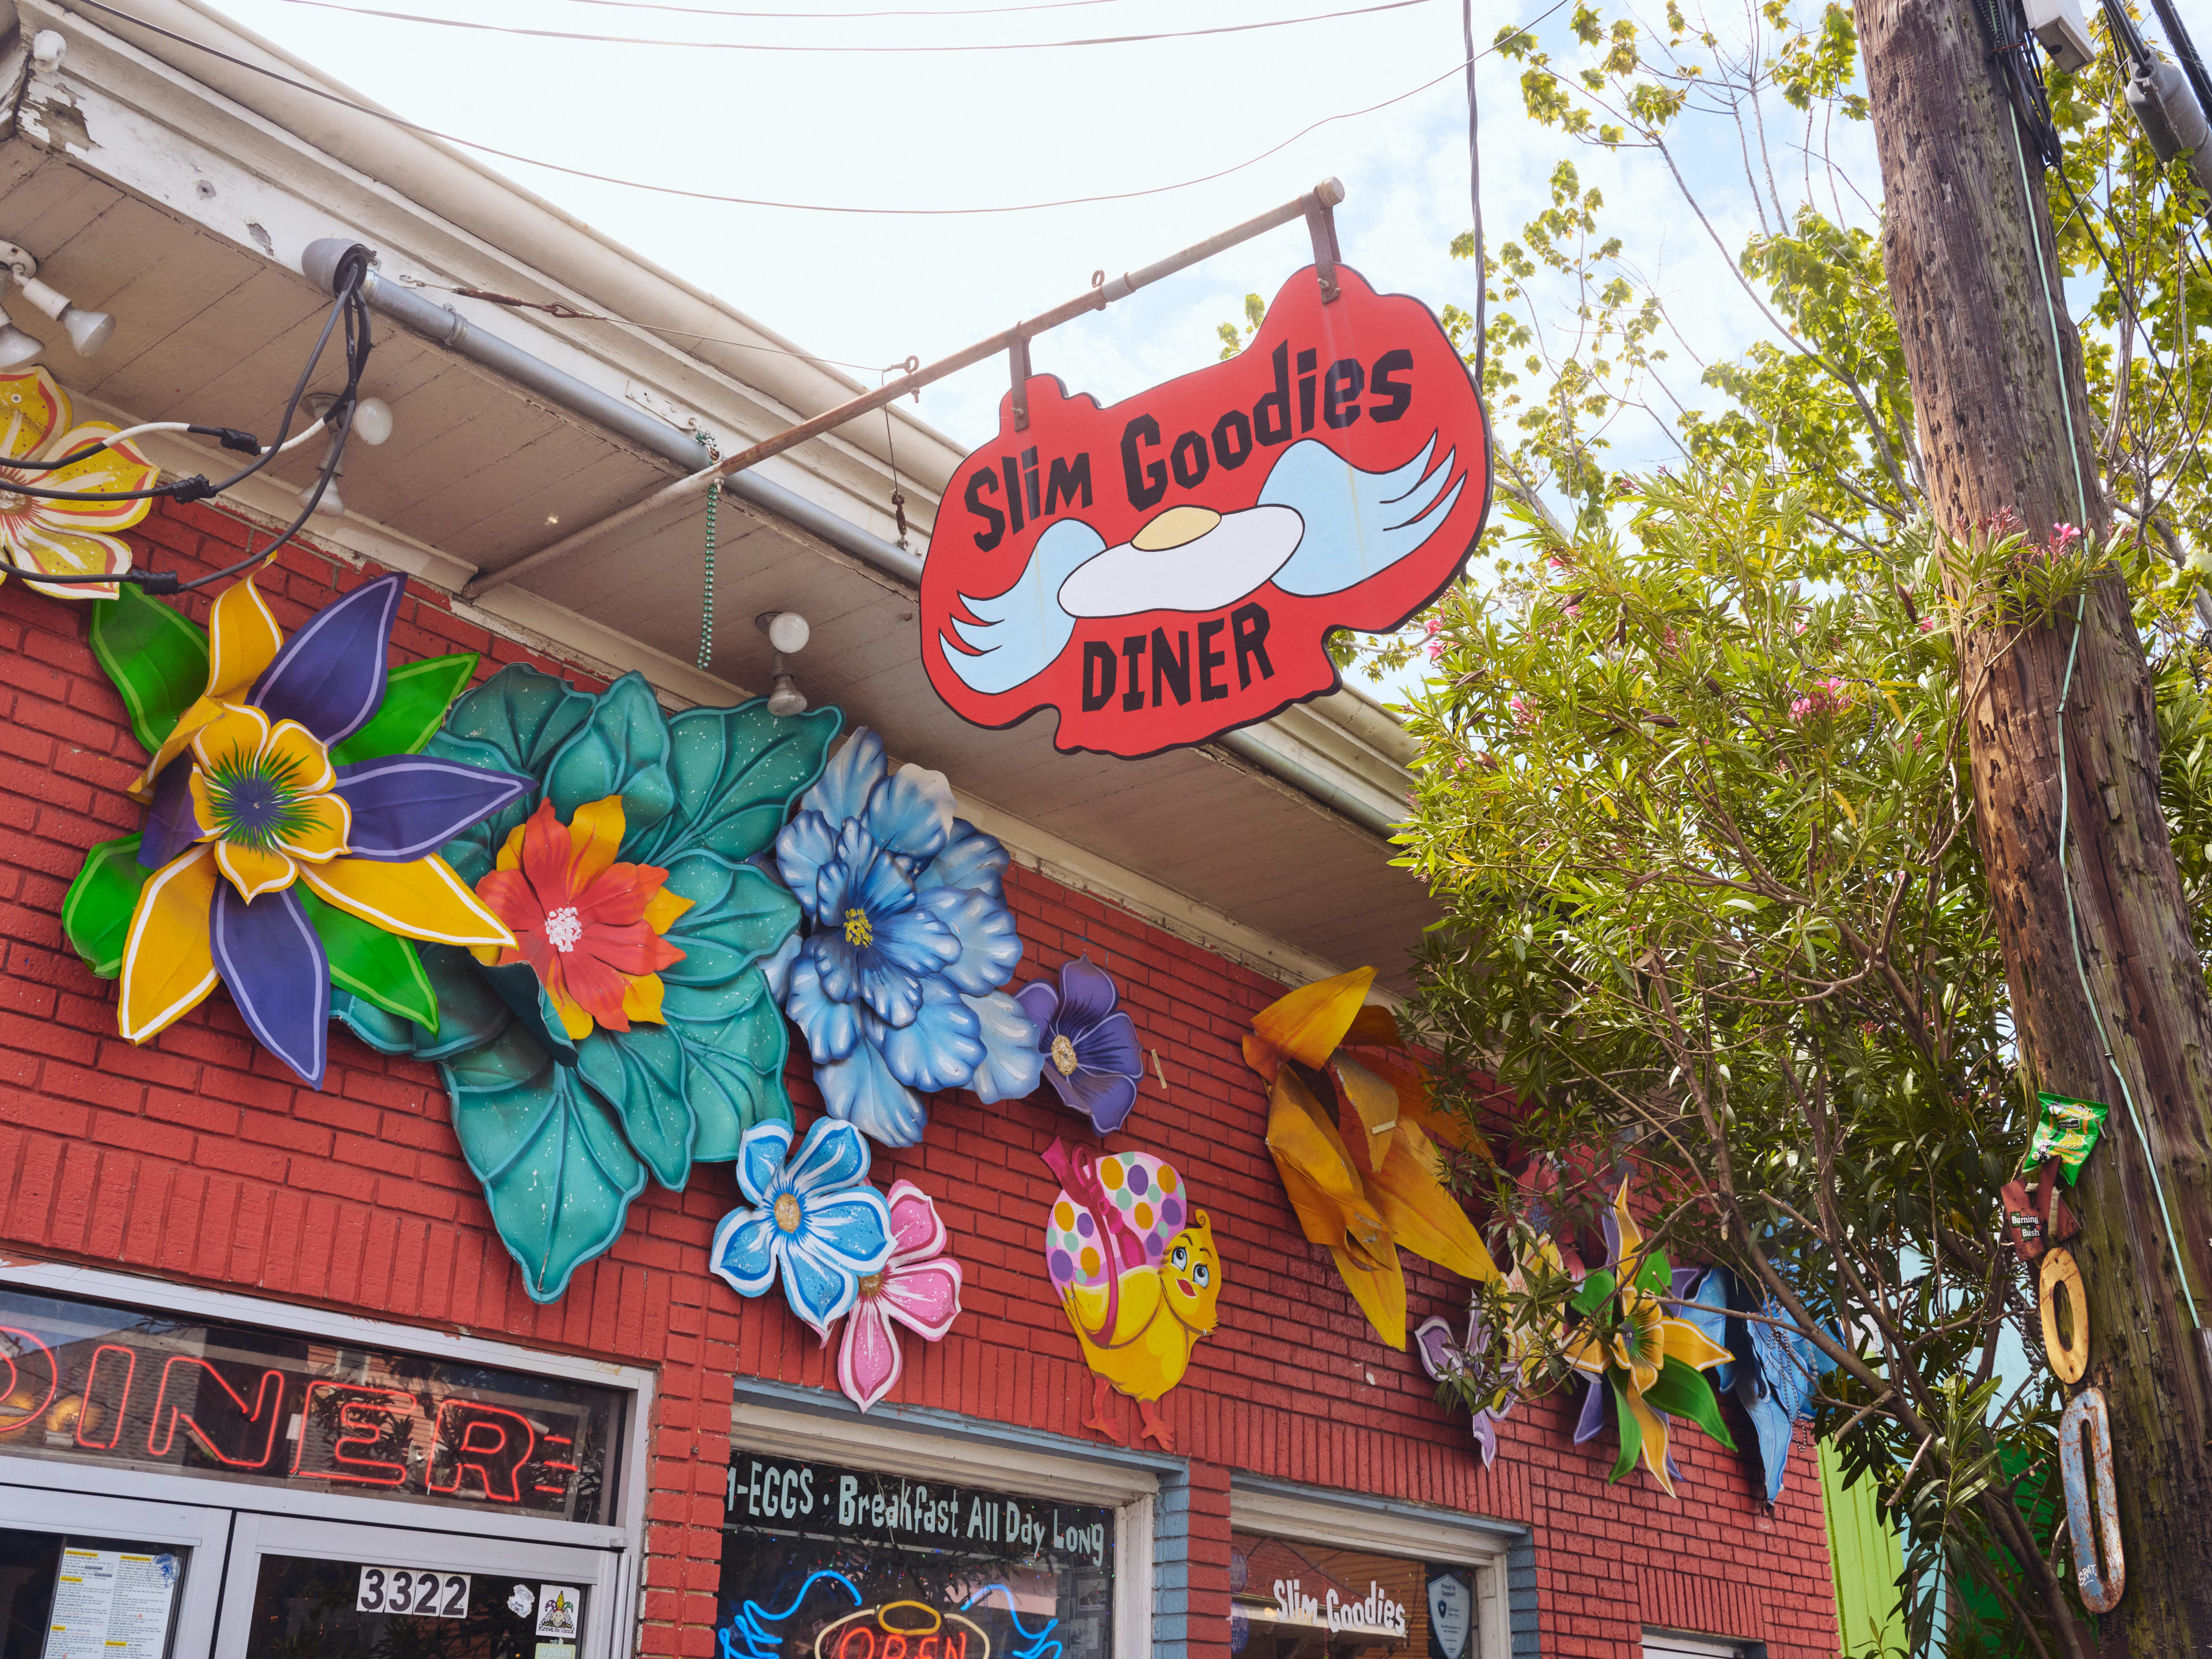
814, 1220
896, 983
1093, 1059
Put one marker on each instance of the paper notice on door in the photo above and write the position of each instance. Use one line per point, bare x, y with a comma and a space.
138, 1623
112, 1605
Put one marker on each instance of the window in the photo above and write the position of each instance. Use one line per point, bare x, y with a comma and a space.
71, 1596
1316, 1578
134, 1389
1665, 1645
842, 1540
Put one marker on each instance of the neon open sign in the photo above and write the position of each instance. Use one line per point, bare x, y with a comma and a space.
85, 1382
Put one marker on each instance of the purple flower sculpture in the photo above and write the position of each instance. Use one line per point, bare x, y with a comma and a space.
1090, 1047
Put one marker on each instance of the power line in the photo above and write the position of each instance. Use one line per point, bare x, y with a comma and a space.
328, 96
832, 16
872, 51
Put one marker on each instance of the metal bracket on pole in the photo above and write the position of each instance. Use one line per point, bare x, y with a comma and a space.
1017, 360
1321, 224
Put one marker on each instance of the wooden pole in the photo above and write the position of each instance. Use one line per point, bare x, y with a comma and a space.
2003, 427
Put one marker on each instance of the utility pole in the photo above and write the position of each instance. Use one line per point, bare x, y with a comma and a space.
2002, 425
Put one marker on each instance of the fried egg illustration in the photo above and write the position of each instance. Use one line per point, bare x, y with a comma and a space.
1320, 525
1205, 560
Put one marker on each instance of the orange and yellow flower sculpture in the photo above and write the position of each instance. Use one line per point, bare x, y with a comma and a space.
589, 928
73, 538
1384, 1191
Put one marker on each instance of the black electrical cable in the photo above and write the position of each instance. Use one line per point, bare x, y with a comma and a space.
352, 307
196, 487
2185, 53
840, 50
406, 125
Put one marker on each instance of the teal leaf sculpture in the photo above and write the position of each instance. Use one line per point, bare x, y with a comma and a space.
567, 1092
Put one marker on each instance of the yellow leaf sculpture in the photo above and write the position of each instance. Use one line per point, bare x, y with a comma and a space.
1361, 1205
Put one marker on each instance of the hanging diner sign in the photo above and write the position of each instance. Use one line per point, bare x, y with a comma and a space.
1168, 568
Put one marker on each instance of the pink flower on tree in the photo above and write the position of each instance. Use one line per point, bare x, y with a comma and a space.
1436, 650
919, 1287
1524, 712
1435, 625
2063, 536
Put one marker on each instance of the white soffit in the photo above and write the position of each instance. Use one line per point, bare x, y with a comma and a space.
179, 196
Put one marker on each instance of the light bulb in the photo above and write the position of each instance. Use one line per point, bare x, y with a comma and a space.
88, 330
372, 420
786, 699
16, 348
786, 630
329, 502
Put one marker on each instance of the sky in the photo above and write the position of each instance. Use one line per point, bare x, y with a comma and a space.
946, 129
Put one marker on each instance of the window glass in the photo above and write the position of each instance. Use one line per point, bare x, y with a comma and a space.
306, 1608
87, 1382
65, 1596
1301, 1600
821, 1562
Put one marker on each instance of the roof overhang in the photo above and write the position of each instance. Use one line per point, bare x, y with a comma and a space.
179, 192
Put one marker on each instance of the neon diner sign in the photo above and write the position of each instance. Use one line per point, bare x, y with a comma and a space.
85, 1382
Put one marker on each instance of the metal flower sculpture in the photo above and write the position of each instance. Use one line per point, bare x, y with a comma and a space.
1776, 1367
1383, 1190
291, 841
626, 1028
813, 1220
1442, 1357
918, 1286
1640, 1354
1089, 1046
896, 984
74, 538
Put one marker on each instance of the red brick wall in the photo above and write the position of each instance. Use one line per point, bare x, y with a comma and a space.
198, 1158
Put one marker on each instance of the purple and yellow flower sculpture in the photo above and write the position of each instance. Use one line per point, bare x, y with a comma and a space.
291, 832
1090, 1050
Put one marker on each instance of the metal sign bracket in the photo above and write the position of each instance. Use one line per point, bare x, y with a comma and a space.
1321, 224
1017, 360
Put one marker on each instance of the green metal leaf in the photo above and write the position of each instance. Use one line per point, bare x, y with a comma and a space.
737, 771
1632, 1432
640, 1073
470, 1012
622, 749
1595, 1288
1656, 1273
156, 657
1683, 1390
96, 911
381, 968
738, 915
516, 721
416, 698
734, 1044
556, 1170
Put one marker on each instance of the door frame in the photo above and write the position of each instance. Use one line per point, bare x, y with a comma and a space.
206, 1532
602, 1572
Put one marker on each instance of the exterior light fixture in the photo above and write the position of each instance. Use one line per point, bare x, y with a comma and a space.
787, 633
88, 331
372, 424
16, 348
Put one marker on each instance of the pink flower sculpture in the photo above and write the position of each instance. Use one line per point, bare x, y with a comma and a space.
919, 1287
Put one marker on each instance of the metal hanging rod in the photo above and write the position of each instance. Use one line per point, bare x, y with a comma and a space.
1316, 208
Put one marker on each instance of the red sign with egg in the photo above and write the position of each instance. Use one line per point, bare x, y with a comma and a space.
1169, 569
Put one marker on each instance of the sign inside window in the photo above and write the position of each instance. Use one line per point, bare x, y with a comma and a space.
820, 1562
85, 1382
1295, 1599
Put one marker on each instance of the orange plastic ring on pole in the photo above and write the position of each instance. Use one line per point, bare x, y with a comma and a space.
2068, 1359
936, 1619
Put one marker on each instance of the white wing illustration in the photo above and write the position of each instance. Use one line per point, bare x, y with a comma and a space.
1357, 523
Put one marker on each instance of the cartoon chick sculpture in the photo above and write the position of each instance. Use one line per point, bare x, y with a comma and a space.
1136, 1269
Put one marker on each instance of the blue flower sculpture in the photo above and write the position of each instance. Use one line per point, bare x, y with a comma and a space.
896, 984
814, 1220
1094, 1062
562, 1129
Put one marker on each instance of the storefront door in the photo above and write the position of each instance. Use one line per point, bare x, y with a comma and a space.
297, 1588
92, 1577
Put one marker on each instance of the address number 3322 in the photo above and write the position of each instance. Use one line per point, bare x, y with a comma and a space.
403, 1590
